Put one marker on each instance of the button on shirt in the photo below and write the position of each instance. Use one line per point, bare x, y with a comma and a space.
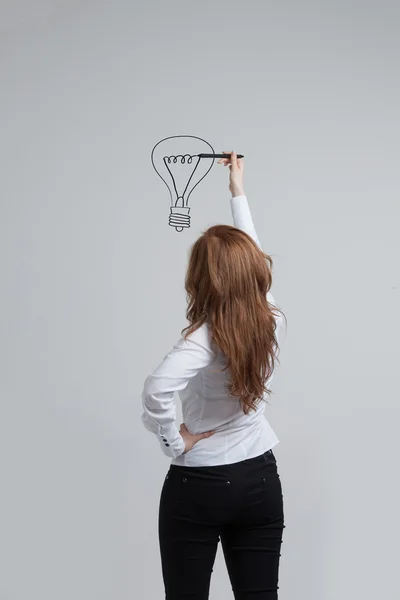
193, 369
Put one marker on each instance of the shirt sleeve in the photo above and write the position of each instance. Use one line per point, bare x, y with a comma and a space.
242, 218
183, 362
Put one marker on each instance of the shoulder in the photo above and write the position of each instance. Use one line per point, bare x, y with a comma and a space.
278, 316
270, 298
200, 337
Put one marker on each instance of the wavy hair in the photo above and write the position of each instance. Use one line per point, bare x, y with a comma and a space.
226, 283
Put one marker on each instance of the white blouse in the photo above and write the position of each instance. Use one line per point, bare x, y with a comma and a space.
192, 368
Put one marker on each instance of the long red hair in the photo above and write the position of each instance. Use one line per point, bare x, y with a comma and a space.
227, 281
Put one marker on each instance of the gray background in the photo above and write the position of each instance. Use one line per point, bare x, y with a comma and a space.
92, 277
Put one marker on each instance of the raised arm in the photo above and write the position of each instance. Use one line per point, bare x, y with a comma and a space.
242, 218
241, 214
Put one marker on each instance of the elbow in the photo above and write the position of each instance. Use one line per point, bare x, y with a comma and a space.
147, 393
149, 416
154, 396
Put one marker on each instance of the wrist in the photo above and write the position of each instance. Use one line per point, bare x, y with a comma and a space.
237, 191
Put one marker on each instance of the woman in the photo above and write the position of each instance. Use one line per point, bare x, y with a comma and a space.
223, 482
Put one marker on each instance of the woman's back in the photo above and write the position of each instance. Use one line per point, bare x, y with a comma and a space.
207, 405
194, 368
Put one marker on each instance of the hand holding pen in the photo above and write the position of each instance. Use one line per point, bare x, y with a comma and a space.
236, 167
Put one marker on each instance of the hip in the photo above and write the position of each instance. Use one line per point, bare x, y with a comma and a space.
220, 493
230, 447
247, 467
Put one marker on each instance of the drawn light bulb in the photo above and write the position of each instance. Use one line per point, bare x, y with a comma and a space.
178, 162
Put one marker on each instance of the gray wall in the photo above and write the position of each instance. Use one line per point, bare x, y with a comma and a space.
92, 277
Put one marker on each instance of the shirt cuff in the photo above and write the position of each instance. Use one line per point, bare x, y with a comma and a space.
171, 441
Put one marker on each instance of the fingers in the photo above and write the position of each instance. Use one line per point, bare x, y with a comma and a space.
227, 159
224, 161
183, 430
203, 436
233, 161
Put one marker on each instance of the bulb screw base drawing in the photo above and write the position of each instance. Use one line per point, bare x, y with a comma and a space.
179, 217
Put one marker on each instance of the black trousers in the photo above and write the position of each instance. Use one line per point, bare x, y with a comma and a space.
240, 504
